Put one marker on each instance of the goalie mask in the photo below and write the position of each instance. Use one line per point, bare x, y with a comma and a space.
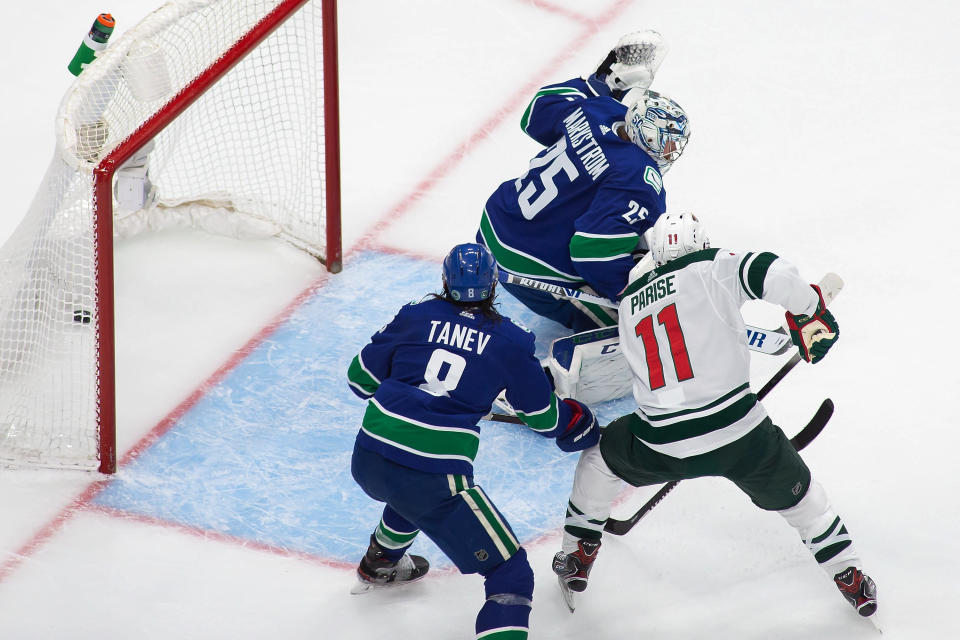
658, 125
675, 235
469, 273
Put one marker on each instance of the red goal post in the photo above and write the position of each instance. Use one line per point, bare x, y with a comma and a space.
218, 114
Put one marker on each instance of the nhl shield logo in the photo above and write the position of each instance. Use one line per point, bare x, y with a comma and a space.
481, 555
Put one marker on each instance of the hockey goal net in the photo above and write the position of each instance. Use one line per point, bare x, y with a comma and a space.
220, 114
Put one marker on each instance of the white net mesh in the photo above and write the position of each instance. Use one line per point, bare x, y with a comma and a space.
247, 157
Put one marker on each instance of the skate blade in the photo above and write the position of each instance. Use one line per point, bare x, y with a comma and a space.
875, 620
360, 587
569, 597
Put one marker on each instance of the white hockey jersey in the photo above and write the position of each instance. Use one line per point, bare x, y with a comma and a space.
685, 341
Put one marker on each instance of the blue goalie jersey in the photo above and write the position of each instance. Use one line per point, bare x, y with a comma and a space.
577, 214
434, 371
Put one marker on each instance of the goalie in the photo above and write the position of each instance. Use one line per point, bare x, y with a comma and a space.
578, 215
575, 218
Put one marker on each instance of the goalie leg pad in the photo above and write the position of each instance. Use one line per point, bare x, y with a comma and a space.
589, 366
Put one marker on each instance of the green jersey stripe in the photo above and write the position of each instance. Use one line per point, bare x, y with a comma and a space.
360, 377
743, 279
543, 420
504, 633
418, 437
661, 417
692, 428
570, 91
757, 273
518, 262
704, 255
593, 247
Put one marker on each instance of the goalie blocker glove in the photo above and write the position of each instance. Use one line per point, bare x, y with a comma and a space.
582, 431
814, 334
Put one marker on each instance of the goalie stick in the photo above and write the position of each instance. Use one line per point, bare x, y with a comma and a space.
806, 435
769, 341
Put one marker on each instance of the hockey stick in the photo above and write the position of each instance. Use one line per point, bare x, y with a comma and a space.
799, 441
830, 285
502, 417
769, 341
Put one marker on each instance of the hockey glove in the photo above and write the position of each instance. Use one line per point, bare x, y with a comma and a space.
632, 63
582, 431
814, 334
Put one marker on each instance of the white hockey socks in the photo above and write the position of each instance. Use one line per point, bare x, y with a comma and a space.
594, 488
822, 531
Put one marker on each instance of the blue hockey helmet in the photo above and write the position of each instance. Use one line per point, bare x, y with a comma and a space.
469, 273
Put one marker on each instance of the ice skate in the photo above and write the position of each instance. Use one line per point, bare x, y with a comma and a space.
377, 571
859, 590
573, 569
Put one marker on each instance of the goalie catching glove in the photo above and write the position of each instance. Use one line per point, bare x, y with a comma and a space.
632, 63
814, 334
582, 431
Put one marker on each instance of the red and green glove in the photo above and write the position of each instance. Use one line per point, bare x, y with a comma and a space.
814, 334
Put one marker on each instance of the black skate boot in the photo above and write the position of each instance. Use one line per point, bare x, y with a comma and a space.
375, 570
573, 569
858, 589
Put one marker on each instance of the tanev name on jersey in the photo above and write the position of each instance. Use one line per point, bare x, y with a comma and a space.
458, 336
590, 153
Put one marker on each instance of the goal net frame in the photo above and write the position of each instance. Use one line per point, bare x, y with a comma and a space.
105, 172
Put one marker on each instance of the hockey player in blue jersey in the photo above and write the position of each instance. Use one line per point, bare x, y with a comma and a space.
576, 217
430, 375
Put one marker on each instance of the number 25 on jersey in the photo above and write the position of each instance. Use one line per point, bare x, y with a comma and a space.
556, 160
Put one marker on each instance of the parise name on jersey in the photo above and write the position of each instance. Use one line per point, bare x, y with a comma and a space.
654, 291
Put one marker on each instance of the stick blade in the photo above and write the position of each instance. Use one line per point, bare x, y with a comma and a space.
569, 597
814, 427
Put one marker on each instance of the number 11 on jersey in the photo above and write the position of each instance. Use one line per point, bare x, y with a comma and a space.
667, 317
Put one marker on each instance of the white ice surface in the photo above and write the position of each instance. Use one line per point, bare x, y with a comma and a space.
823, 131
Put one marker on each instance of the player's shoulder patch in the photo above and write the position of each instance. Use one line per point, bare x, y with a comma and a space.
653, 178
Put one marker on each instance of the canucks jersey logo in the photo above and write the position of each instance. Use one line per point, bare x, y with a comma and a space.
652, 178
